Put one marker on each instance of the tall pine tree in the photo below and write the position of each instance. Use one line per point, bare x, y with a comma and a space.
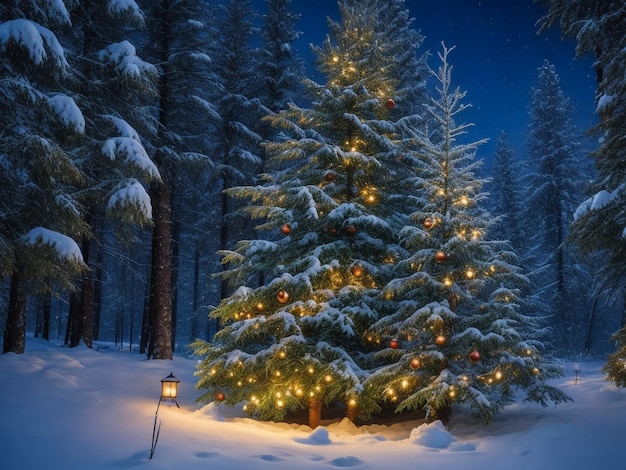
458, 334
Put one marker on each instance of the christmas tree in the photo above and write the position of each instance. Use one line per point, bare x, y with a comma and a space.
327, 243
458, 333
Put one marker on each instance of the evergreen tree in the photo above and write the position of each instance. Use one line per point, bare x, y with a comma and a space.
282, 70
327, 213
237, 154
555, 182
39, 125
598, 228
506, 195
112, 85
458, 334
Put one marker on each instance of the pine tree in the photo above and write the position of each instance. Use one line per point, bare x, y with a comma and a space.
111, 84
598, 227
505, 195
458, 334
326, 213
282, 70
39, 124
554, 180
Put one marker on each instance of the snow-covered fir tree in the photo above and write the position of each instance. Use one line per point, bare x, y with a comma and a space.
112, 84
39, 126
598, 229
326, 214
458, 334
554, 180
505, 196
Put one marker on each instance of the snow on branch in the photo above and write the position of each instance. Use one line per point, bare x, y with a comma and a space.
132, 194
123, 57
65, 247
126, 7
133, 153
69, 113
40, 42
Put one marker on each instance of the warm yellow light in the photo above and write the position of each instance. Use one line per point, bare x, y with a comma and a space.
277, 373
452, 392
469, 274
279, 403
213, 372
441, 192
335, 58
328, 378
352, 402
299, 392
278, 394
259, 306
391, 392
239, 383
311, 370
464, 201
282, 354
405, 383
352, 149
447, 281
169, 388
498, 375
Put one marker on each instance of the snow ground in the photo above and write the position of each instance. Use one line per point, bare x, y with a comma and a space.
85, 409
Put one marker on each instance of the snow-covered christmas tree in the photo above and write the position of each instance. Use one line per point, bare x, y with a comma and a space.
326, 219
458, 333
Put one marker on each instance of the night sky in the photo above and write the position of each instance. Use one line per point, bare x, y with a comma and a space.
496, 59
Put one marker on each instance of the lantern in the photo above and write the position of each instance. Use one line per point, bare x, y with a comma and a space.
169, 388
286, 229
391, 103
440, 256
428, 223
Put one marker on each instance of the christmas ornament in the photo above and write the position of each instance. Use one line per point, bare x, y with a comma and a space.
220, 396
391, 103
356, 270
428, 223
332, 230
440, 256
440, 340
282, 296
415, 363
286, 229
351, 230
474, 356
329, 176
394, 344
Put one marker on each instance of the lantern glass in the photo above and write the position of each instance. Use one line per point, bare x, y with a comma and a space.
169, 387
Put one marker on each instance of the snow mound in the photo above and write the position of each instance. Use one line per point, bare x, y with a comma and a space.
433, 435
210, 411
319, 437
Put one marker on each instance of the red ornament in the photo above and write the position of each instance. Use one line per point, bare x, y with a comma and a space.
440, 256
428, 223
332, 231
351, 230
394, 344
474, 356
286, 229
356, 270
415, 363
220, 396
329, 176
282, 296
391, 103
440, 340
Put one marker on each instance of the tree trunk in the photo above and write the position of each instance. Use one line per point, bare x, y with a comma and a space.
145, 324
72, 335
46, 308
160, 345
15, 328
97, 294
175, 272
315, 413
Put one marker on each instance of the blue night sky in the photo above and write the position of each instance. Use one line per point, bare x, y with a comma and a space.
496, 59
